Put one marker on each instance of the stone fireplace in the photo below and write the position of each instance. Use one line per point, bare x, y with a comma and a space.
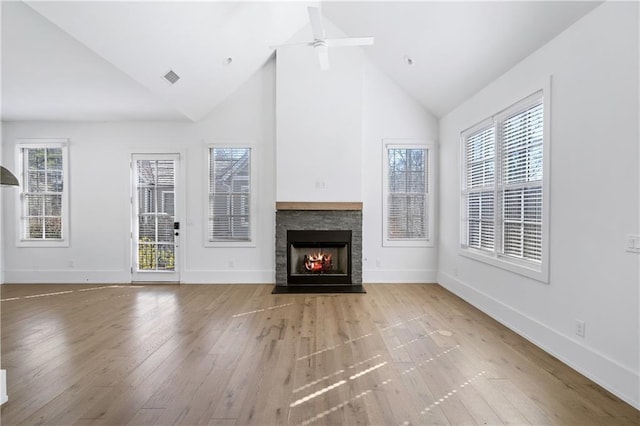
318, 244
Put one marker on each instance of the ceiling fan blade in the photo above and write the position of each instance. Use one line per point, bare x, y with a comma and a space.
302, 43
349, 41
323, 56
315, 17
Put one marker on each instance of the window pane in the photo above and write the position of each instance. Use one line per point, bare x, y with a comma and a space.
240, 204
407, 199
146, 228
34, 227
54, 181
53, 205
533, 204
35, 158
165, 229
168, 202
532, 244
480, 220
52, 228
36, 181
43, 193
165, 257
480, 149
229, 194
512, 239
487, 235
34, 205
147, 256
54, 159
522, 146
512, 205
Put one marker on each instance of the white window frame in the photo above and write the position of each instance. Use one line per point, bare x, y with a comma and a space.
535, 270
253, 194
22, 144
428, 146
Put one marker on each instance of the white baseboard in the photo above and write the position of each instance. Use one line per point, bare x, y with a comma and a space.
222, 276
75, 276
405, 276
611, 375
229, 276
124, 276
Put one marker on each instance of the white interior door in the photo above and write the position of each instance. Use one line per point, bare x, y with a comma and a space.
155, 219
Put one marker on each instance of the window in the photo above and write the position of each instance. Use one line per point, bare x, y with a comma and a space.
502, 188
43, 196
231, 196
407, 202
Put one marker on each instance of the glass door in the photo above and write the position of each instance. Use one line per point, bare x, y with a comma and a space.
156, 224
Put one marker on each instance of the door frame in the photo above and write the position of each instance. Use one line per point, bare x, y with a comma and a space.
166, 277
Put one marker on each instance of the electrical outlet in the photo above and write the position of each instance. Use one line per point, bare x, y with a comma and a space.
580, 328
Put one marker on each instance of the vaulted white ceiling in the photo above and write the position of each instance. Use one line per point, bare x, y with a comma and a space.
104, 61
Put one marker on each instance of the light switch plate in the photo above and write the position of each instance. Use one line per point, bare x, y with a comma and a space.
633, 243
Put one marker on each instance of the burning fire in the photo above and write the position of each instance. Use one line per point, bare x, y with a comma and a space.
318, 262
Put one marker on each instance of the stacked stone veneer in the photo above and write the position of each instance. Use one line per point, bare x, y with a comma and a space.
319, 220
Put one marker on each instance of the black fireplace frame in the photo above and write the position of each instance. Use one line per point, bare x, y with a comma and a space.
319, 239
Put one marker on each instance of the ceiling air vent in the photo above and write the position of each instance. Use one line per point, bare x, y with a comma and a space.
171, 77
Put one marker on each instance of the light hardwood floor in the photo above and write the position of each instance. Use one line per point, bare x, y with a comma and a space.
236, 355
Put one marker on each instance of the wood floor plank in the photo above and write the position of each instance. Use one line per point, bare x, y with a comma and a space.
229, 355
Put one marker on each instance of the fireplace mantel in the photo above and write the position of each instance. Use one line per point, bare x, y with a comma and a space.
318, 206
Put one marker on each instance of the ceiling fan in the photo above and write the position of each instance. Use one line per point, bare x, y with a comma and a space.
321, 43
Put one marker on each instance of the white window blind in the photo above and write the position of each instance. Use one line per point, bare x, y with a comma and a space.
229, 194
502, 185
521, 190
43, 196
480, 182
406, 192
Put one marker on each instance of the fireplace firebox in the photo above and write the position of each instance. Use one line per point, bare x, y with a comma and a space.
316, 257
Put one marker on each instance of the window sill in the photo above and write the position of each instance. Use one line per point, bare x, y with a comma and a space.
529, 270
41, 244
407, 243
230, 244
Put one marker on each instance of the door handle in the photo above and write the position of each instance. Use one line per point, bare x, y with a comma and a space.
176, 234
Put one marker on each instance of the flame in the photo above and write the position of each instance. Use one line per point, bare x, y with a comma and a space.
318, 262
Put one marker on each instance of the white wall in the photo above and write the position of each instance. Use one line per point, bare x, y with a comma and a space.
319, 124
388, 113
594, 201
99, 185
